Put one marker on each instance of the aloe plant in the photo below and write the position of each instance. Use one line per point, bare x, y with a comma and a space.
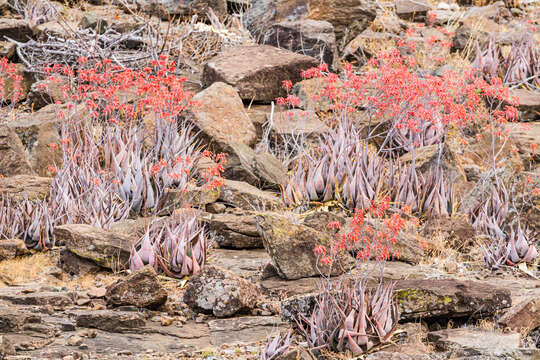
32, 221
339, 168
176, 247
350, 318
520, 247
276, 346
521, 65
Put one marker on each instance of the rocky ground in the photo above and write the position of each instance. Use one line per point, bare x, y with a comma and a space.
79, 300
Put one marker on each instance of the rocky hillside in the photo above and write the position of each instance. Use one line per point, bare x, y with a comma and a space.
269, 179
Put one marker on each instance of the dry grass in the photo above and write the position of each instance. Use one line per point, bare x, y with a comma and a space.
38, 267
486, 324
26, 269
91, 280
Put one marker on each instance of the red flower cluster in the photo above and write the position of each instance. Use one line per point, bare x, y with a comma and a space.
372, 235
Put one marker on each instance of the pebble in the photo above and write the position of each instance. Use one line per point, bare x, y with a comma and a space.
97, 293
166, 320
74, 340
443, 6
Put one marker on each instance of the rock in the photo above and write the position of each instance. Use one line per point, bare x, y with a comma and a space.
108, 320
134, 228
4, 7
291, 247
365, 45
310, 92
74, 340
166, 320
475, 342
105, 248
457, 232
15, 29
40, 129
243, 329
319, 221
94, 21
243, 263
295, 123
349, 17
525, 315
57, 300
258, 168
221, 116
307, 37
177, 199
49, 91
26, 81
12, 248
220, 292
387, 355
257, 114
12, 156
293, 306
478, 151
20, 187
6, 347
141, 289
247, 197
257, 72
262, 14
97, 292
423, 299
234, 231
427, 158
7, 49
13, 321
529, 104
412, 10
75, 265
166, 9
524, 135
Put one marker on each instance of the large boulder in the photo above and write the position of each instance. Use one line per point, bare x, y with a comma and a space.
219, 292
291, 246
221, 116
257, 72
12, 156
308, 37
106, 248
425, 299
141, 289
422, 299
